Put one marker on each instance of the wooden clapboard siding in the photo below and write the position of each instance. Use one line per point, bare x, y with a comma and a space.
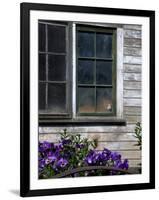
132, 33
109, 137
117, 138
132, 51
132, 68
132, 85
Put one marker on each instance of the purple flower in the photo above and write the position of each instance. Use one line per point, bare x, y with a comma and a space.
115, 156
80, 146
41, 164
62, 163
58, 146
66, 141
43, 146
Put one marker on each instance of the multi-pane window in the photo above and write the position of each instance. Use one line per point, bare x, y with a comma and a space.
53, 76
96, 71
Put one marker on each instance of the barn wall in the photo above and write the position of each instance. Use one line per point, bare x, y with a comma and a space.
117, 138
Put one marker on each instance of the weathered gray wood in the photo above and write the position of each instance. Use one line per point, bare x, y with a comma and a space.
132, 27
132, 33
111, 137
133, 119
116, 146
132, 85
130, 154
132, 93
132, 60
132, 102
131, 42
128, 110
119, 79
132, 51
132, 68
87, 129
132, 77
134, 163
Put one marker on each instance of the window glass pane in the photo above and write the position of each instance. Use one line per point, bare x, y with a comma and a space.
104, 72
86, 44
42, 99
56, 68
103, 45
42, 37
56, 98
85, 71
86, 100
56, 39
104, 100
42, 67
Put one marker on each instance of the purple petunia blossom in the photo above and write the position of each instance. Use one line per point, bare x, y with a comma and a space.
62, 163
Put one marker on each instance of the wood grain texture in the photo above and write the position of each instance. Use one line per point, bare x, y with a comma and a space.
132, 77
132, 27
133, 59
132, 51
132, 93
132, 84
132, 102
131, 42
132, 68
132, 33
128, 110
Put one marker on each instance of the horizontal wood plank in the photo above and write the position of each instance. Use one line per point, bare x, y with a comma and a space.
132, 85
132, 77
132, 27
132, 119
132, 60
132, 68
86, 129
132, 51
131, 42
132, 93
128, 110
132, 102
132, 33
111, 137
116, 146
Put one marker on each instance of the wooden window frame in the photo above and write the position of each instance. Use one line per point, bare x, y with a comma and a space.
97, 29
67, 82
72, 118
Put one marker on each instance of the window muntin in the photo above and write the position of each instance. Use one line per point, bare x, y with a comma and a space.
53, 72
96, 74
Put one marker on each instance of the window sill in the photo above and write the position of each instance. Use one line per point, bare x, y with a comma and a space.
83, 122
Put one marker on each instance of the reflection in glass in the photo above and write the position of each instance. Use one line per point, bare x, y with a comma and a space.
104, 72
85, 71
103, 45
56, 68
56, 39
86, 100
42, 67
42, 35
86, 44
56, 98
42, 99
104, 100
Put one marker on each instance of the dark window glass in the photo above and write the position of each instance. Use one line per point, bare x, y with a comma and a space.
86, 100
42, 96
42, 67
103, 45
104, 72
56, 98
56, 68
104, 100
56, 39
85, 71
86, 44
42, 37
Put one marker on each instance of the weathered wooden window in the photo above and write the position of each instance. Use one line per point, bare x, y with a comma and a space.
96, 71
53, 69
